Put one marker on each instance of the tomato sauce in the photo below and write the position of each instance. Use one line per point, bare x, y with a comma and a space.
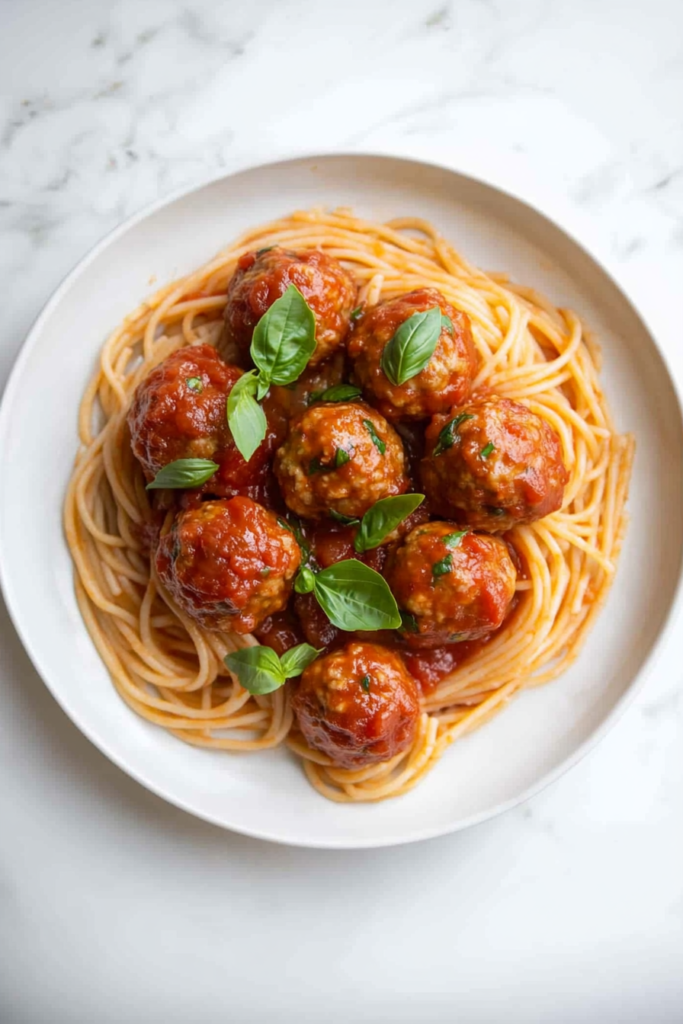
429, 667
280, 631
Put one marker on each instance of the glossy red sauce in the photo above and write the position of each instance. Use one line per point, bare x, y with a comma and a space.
429, 667
280, 631
333, 542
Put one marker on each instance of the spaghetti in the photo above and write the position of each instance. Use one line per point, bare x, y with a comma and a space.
171, 671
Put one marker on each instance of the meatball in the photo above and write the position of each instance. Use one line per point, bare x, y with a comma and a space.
492, 465
453, 586
359, 705
339, 457
178, 411
263, 276
445, 380
228, 564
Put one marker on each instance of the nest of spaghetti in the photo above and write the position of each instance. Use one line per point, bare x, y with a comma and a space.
341, 490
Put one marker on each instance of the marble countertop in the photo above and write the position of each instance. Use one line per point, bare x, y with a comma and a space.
115, 906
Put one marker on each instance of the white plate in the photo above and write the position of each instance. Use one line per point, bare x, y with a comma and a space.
544, 731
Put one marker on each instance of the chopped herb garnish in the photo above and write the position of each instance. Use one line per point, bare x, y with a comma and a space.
341, 458
267, 248
195, 384
495, 511
345, 520
357, 313
377, 441
365, 683
453, 540
487, 449
456, 638
284, 524
315, 466
449, 433
443, 567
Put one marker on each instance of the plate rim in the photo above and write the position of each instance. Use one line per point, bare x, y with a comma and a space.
584, 748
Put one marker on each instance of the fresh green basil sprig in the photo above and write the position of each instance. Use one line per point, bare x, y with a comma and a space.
281, 346
413, 344
337, 393
246, 418
352, 595
260, 670
183, 473
383, 518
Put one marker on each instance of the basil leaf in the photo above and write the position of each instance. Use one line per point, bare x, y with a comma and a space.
383, 518
341, 457
305, 580
183, 473
365, 683
412, 346
376, 440
195, 384
409, 623
284, 338
246, 418
315, 466
337, 393
296, 659
345, 520
446, 323
443, 567
487, 449
357, 313
454, 540
448, 434
354, 596
257, 668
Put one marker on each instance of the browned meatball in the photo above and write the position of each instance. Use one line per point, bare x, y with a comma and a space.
453, 586
340, 457
445, 380
228, 564
359, 705
493, 464
263, 276
178, 411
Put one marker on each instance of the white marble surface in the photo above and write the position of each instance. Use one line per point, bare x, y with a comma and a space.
114, 906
